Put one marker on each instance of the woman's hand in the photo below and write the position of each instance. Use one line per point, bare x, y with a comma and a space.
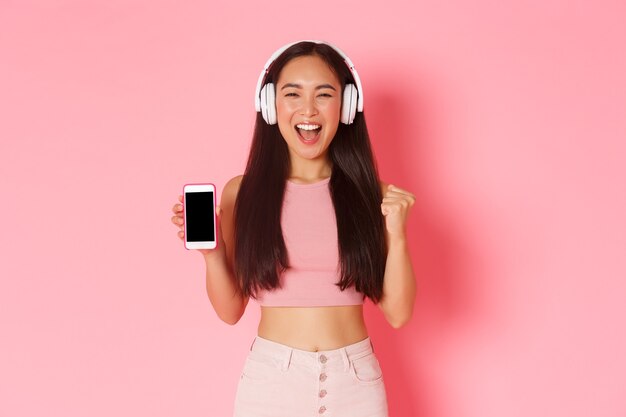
179, 220
395, 207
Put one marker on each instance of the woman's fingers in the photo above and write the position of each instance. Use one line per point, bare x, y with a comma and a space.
396, 201
177, 219
394, 192
394, 189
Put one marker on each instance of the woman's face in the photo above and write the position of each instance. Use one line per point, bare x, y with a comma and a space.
308, 105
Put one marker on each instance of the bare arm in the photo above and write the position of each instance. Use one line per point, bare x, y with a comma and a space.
399, 286
221, 285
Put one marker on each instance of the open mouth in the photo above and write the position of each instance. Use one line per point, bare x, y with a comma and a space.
308, 132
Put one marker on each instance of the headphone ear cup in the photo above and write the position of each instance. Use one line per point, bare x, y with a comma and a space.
271, 105
268, 103
348, 108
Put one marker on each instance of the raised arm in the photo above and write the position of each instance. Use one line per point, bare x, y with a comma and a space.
399, 287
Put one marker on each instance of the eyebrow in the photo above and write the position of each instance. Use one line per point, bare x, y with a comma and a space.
319, 87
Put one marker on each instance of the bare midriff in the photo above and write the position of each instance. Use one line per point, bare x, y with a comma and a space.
313, 328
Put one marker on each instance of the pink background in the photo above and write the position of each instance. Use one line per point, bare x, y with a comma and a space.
506, 119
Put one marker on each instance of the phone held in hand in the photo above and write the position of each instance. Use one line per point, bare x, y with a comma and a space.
199, 211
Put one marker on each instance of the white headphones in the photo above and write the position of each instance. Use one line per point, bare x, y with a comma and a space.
265, 98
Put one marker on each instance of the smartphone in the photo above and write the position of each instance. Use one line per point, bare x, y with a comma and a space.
199, 211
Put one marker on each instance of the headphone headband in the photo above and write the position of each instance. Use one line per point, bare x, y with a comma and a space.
357, 80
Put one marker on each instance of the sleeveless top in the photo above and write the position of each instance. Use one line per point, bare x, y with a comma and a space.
309, 229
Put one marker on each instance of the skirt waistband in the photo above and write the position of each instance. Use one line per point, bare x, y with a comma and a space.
286, 355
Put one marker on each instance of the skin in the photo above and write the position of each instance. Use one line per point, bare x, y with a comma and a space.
308, 91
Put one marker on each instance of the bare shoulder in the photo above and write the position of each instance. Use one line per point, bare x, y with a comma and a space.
233, 184
227, 220
383, 186
229, 193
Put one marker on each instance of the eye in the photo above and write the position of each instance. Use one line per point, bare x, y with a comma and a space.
325, 95
291, 95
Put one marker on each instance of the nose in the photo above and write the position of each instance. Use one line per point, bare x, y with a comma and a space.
308, 107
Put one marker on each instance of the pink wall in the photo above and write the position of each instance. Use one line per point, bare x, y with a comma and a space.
505, 118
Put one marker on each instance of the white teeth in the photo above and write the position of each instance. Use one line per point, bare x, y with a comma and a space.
308, 127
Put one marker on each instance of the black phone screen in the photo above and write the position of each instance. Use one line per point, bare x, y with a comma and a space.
199, 216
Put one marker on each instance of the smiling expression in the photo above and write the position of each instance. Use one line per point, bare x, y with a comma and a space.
308, 104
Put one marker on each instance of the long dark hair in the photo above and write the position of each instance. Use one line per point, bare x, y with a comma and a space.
260, 251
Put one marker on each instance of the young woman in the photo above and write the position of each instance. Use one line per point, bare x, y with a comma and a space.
309, 231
